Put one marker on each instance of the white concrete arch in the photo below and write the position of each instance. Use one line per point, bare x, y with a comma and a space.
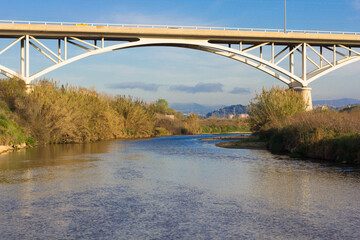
203, 45
248, 62
9, 73
270, 67
329, 69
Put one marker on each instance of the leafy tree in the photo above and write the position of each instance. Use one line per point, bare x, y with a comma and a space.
161, 106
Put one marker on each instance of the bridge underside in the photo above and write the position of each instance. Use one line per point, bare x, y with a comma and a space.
293, 59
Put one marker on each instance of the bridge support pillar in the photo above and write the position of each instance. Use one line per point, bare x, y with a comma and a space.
29, 88
306, 94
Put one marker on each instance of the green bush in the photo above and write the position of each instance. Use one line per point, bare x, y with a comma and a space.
10, 132
273, 106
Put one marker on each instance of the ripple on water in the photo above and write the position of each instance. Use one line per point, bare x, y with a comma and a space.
173, 188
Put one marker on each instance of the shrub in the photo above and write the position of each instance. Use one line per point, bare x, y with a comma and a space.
215, 125
12, 91
138, 120
191, 124
10, 132
65, 114
273, 106
172, 126
327, 135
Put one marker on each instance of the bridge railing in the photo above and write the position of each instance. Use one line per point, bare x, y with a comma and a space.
176, 27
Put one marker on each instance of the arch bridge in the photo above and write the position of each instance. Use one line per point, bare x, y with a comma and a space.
295, 57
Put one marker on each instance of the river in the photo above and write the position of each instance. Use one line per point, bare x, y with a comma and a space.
173, 188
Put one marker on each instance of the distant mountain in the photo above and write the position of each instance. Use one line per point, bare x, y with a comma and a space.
194, 107
226, 111
218, 110
337, 102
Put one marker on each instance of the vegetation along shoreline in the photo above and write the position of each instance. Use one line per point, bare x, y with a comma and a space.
51, 114
281, 124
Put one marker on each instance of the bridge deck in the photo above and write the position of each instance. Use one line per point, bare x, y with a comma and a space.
10, 30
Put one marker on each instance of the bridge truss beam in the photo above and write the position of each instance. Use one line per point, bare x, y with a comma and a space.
296, 65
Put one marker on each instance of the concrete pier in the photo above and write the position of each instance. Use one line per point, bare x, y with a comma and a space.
306, 94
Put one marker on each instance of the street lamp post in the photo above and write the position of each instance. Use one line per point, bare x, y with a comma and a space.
285, 16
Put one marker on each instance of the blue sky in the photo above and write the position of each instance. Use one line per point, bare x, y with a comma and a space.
182, 75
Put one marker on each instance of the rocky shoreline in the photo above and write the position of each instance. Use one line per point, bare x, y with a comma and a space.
10, 148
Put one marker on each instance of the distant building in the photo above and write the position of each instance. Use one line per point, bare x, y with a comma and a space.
323, 107
170, 116
243, 115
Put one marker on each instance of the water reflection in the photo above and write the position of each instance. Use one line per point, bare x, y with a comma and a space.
294, 185
30, 164
173, 188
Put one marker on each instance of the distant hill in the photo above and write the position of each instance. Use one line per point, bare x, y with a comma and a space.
337, 102
218, 110
194, 107
226, 111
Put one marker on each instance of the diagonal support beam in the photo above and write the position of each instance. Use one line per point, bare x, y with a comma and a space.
286, 55
332, 50
255, 46
247, 61
310, 60
47, 49
350, 50
44, 53
11, 44
84, 42
80, 46
320, 55
274, 57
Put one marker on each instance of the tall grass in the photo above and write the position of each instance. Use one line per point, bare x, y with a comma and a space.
329, 135
273, 106
278, 116
65, 114
137, 117
54, 113
68, 114
213, 125
192, 124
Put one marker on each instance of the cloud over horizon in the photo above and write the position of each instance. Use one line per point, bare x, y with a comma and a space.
135, 85
199, 88
238, 90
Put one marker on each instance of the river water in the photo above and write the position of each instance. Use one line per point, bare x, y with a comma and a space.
173, 188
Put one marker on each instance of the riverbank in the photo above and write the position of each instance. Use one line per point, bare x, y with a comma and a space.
279, 117
329, 136
243, 145
56, 114
238, 142
52, 113
340, 150
9, 148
